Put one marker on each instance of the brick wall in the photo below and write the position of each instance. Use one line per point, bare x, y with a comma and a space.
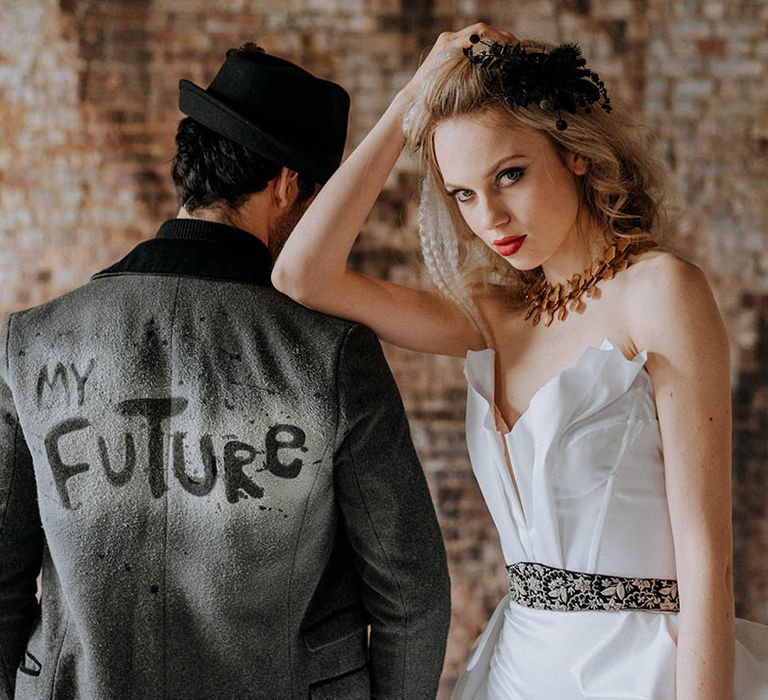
88, 114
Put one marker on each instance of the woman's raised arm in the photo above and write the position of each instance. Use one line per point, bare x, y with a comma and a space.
312, 267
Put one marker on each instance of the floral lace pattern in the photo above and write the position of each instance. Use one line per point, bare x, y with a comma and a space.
547, 588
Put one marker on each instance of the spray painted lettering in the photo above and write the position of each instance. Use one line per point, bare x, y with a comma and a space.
51, 385
156, 413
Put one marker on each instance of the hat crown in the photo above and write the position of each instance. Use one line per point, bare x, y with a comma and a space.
275, 108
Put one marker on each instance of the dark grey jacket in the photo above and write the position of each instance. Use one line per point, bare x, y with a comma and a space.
221, 487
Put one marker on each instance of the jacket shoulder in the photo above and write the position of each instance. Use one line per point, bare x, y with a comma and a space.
332, 325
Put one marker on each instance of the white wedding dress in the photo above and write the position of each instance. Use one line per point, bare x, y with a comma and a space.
587, 459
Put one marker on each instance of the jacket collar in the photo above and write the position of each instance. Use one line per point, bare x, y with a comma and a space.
197, 248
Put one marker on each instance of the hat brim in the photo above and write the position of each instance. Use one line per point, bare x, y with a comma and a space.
225, 121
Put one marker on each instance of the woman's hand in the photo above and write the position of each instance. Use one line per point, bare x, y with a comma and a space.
453, 41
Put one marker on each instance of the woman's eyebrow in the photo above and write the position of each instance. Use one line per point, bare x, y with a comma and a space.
492, 171
501, 161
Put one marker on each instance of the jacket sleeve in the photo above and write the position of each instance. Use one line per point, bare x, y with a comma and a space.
391, 524
21, 538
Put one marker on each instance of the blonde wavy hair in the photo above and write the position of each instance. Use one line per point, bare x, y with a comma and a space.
622, 191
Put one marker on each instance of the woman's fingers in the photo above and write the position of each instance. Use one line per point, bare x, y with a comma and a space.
458, 40
484, 31
462, 38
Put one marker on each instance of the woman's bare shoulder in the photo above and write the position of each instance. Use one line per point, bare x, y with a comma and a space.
660, 272
666, 291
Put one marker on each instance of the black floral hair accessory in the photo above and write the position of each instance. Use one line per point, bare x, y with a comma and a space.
556, 81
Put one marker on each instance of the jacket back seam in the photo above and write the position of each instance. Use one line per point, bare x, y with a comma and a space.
376, 534
389, 566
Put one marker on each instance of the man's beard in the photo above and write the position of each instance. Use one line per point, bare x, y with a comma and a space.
283, 225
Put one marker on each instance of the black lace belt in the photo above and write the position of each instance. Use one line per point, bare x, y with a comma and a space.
546, 588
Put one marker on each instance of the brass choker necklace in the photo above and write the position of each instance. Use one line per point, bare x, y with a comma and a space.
554, 301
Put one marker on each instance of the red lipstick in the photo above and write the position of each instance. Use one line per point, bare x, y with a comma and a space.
509, 245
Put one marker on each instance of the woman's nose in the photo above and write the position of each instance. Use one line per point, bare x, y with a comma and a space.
493, 213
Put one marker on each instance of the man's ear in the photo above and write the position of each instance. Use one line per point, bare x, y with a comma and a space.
286, 188
576, 163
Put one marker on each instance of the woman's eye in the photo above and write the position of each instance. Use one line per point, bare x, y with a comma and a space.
461, 195
510, 175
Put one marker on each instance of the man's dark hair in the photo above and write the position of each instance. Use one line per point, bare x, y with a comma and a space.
212, 170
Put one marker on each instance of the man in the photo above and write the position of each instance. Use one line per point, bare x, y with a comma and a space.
219, 484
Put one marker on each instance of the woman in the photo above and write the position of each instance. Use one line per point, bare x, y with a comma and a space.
540, 225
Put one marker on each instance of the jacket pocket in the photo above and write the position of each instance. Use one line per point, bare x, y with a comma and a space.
352, 685
338, 652
335, 627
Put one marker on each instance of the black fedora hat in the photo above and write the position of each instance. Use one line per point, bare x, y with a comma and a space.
275, 108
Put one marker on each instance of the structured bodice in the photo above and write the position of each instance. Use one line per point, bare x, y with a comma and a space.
586, 458
587, 461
